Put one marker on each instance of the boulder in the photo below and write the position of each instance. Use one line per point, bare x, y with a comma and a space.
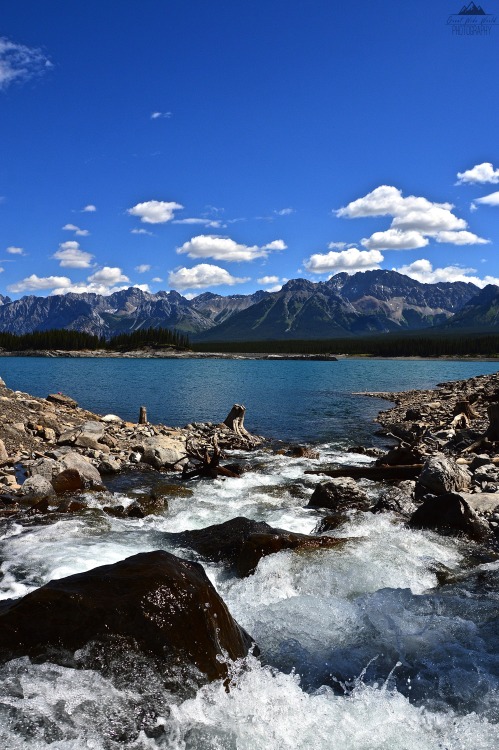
240, 543
162, 452
77, 474
110, 466
395, 500
37, 486
47, 468
153, 603
111, 418
441, 475
338, 494
4, 456
221, 542
449, 513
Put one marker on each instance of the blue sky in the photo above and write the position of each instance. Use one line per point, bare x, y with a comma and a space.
226, 147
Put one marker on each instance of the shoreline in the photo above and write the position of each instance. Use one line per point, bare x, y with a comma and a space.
176, 354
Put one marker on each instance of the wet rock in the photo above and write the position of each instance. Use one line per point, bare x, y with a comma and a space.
240, 543
260, 545
339, 493
395, 500
221, 542
330, 522
151, 505
153, 603
162, 452
37, 486
71, 506
303, 451
441, 475
449, 513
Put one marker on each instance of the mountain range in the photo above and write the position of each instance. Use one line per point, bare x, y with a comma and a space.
361, 303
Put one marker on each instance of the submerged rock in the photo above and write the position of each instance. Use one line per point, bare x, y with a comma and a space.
153, 602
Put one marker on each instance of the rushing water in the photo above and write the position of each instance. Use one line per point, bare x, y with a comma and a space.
360, 648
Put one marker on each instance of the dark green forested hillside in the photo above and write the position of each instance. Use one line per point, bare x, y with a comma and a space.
65, 340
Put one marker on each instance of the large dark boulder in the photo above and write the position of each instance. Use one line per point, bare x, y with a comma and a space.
153, 603
240, 543
221, 542
449, 513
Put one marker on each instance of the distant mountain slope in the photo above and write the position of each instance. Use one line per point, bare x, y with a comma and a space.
368, 302
124, 311
481, 313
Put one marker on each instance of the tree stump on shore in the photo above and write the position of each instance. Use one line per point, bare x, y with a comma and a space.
143, 415
235, 422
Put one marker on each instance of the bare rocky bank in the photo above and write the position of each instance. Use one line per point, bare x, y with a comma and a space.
50, 449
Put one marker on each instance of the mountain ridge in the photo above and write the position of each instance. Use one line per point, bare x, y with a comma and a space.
347, 304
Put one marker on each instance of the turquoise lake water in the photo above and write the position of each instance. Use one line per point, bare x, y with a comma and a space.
296, 400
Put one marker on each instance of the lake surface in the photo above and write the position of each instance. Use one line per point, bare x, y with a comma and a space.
361, 649
308, 400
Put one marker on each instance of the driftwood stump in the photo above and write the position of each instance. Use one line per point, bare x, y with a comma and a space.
235, 422
464, 407
206, 460
143, 415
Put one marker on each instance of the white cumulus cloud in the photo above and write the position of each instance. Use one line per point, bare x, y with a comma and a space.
35, 283
20, 63
157, 279
284, 212
395, 239
141, 231
15, 250
202, 276
70, 255
488, 200
461, 238
160, 115
268, 280
414, 219
90, 208
224, 248
422, 270
350, 260
143, 268
155, 212
108, 276
76, 230
479, 174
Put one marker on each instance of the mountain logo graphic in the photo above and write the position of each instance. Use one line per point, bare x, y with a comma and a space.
472, 10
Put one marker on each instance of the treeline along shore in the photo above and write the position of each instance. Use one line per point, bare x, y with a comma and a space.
158, 342
58, 459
